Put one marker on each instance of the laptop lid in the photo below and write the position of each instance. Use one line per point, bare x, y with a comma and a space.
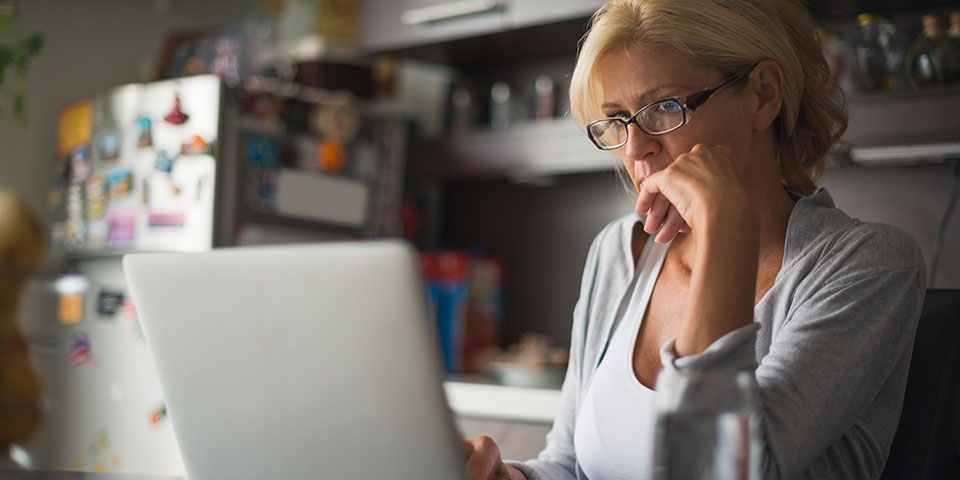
313, 361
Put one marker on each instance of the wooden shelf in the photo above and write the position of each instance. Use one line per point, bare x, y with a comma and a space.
536, 149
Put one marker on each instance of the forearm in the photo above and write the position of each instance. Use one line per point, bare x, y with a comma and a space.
722, 288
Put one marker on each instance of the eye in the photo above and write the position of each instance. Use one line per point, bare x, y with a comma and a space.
621, 114
669, 106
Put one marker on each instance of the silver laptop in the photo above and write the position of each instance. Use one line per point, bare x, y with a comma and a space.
298, 362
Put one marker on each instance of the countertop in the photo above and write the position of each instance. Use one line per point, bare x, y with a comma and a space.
476, 399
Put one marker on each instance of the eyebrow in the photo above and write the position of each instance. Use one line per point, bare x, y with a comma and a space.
645, 98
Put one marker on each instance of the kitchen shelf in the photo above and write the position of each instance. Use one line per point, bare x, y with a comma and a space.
908, 117
524, 150
536, 149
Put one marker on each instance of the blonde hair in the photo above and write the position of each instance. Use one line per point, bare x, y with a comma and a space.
730, 36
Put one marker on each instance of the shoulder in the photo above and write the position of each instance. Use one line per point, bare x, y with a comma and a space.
826, 243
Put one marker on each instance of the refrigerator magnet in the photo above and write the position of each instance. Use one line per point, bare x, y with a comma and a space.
109, 302
158, 415
80, 163
331, 155
96, 197
78, 349
109, 144
164, 162
196, 146
165, 219
176, 115
144, 129
119, 182
122, 229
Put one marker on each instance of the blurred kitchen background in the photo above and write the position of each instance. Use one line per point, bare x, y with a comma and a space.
188, 125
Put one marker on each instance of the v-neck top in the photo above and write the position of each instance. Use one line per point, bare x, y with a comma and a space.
615, 426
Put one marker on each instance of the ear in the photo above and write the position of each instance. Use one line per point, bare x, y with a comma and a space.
765, 85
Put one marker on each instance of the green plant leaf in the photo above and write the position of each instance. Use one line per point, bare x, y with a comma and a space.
6, 56
33, 43
4, 23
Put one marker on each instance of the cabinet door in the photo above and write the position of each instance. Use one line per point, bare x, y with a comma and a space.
393, 24
525, 13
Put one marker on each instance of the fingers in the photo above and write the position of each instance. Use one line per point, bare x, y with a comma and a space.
673, 224
483, 458
656, 214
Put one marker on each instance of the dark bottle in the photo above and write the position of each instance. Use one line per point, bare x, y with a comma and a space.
934, 58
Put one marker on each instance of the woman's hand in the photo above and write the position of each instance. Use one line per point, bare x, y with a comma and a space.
691, 191
484, 462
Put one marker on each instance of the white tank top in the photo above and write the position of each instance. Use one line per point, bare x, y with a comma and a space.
613, 438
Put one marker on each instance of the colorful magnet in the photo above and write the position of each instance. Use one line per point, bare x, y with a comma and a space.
158, 415
196, 146
109, 144
80, 163
176, 115
109, 302
71, 308
78, 349
75, 126
331, 155
164, 162
119, 182
96, 197
144, 132
122, 229
160, 219
117, 461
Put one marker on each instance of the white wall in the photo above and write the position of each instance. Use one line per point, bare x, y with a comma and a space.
90, 46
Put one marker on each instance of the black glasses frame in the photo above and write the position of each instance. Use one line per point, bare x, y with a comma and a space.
690, 102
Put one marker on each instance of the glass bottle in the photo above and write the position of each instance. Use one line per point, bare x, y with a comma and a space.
934, 59
879, 52
708, 426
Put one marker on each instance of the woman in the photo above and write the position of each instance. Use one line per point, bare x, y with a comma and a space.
721, 116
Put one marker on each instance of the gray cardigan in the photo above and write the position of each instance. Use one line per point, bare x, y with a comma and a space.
830, 344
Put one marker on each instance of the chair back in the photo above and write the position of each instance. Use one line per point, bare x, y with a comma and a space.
927, 442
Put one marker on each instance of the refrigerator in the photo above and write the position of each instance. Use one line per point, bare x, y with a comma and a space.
174, 166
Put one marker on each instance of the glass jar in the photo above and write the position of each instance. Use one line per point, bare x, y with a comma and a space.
934, 58
708, 426
879, 52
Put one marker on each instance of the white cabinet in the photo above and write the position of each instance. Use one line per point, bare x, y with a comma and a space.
387, 25
390, 25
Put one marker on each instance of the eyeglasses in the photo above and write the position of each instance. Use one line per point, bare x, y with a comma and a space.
658, 118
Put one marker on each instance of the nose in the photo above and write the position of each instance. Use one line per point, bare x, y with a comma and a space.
640, 146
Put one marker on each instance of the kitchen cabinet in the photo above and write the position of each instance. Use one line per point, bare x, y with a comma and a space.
387, 26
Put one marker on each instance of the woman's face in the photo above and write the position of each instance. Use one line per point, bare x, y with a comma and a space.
634, 78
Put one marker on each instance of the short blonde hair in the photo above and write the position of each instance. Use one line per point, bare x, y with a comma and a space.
730, 36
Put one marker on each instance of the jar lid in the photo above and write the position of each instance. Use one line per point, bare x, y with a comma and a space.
868, 18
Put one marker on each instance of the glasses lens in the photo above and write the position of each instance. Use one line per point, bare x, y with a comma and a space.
608, 133
662, 116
